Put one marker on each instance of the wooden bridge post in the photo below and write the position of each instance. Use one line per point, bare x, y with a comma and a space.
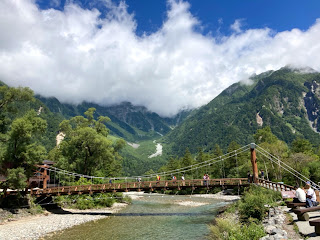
46, 177
254, 163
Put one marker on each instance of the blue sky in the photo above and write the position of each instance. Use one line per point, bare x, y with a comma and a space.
165, 55
277, 15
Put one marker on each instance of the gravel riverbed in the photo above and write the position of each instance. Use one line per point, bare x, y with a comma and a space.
37, 226
34, 227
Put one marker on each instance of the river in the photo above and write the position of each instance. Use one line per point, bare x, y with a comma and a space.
152, 217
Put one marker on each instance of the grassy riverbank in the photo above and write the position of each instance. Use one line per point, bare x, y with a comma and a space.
243, 219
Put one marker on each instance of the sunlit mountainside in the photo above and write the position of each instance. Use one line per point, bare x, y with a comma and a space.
287, 100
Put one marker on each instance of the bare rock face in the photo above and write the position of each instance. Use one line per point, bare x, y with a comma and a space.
259, 120
312, 106
40, 110
60, 137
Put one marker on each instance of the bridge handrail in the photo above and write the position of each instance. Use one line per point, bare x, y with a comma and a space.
140, 185
282, 186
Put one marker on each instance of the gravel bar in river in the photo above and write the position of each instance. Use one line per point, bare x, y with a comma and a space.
34, 227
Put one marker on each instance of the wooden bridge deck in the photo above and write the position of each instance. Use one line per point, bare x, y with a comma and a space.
141, 186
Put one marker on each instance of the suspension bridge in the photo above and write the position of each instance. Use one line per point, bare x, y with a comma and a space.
54, 181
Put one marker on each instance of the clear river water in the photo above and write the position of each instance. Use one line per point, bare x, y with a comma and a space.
151, 218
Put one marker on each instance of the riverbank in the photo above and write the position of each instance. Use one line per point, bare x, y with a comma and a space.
257, 216
34, 227
23, 225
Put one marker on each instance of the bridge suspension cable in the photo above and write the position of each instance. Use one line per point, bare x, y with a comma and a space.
285, 166
190, 168
200, 165
182, 170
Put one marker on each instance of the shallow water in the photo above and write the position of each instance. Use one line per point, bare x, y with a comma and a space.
151, 217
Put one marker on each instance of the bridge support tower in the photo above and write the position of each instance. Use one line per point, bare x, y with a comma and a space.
254, 163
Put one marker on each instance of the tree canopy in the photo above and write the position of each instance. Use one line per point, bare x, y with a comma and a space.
86, 148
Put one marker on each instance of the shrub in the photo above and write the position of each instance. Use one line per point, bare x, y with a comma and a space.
85, 201
103, 200
252, 204
227, 229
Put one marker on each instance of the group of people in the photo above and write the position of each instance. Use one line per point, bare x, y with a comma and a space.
250, 176
174, 178
306, 195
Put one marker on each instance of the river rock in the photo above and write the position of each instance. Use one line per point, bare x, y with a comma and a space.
269, 228
273, 225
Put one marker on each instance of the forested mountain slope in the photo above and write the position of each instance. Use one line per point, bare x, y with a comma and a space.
133, 123
287, 100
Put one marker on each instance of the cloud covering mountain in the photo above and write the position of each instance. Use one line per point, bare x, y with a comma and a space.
77, 55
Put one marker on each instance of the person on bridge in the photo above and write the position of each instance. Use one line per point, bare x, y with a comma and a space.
158, 178
174, 179
311, 199
262, 174
249, 177
300, 195
204, 179
183, 182
208, 178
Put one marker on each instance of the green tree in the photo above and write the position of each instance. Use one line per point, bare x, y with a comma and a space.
265, 135
22, 149
8, 103
86, 148
16, 178
200, 158
300, 145
187, 160
277, 148
217, 169
172, 164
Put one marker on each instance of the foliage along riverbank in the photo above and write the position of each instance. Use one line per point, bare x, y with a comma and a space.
243, 219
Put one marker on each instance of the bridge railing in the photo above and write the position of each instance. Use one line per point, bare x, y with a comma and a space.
275, 186
143, 185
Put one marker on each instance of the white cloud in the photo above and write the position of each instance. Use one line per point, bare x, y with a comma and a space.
75, 55
236, 26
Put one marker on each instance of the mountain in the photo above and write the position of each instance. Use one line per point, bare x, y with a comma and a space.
287, 100
133, 123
